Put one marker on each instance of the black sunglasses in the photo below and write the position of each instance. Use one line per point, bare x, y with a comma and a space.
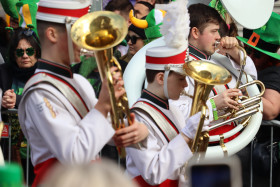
29, 51
132, 38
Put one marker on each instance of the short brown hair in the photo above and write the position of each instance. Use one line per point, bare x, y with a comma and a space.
151, 74
124, 6
201, 15
43, 25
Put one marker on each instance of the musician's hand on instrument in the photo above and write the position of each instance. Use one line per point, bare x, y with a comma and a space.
9, 99
132, 134
226, 99
228, 46
104, 104
192, 124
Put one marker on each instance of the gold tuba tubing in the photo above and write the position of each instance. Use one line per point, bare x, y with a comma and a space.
99, 32
206, 75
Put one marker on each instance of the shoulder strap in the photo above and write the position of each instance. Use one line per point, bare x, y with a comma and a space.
168, 129
63, 86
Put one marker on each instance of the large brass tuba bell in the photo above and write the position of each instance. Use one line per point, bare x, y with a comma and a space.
99, 32
206, 75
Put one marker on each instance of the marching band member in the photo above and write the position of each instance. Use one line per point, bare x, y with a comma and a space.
166, 149
203, 38
59, 113
160, 160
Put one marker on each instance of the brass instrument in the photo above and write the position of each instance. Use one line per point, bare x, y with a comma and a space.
204, 82
99, 32
250, 105
206, 75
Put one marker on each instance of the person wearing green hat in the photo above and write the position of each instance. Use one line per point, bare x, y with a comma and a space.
261, 45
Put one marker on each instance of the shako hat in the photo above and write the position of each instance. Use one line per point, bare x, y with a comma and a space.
166, 58
57, 10
64, 12
175, 29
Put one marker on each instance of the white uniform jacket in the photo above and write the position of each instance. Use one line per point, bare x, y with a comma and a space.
52, 126
158, 160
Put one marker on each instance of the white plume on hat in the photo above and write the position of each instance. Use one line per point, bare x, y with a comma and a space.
175, 27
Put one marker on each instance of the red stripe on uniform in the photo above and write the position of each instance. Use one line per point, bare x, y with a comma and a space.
215, 92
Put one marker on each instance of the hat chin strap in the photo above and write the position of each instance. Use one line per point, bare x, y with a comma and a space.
166, 73
68, 24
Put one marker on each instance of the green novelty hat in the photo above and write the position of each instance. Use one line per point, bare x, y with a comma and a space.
11, 175
267, 38
27, 10
151, 24
9, 7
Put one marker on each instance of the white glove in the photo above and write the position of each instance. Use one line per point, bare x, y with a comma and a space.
191, 126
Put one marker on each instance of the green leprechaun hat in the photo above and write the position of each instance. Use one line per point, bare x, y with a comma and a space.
267, 38
151, 23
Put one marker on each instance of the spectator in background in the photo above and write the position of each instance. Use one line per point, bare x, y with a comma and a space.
262, 45
3, 40
142, 8
135, 39
24, 51
121, 7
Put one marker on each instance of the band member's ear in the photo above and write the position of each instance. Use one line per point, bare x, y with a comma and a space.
160, 78
51, 34
194, 32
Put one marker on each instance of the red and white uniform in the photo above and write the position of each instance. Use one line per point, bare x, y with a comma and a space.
53, 127
159, 161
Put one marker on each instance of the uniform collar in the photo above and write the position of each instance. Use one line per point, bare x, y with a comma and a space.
155, 99
198, 53
55, 67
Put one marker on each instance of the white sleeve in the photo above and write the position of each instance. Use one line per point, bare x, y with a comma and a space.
249, 68
69, 141
156, 163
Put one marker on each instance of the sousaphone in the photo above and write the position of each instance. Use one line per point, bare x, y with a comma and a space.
134, 76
